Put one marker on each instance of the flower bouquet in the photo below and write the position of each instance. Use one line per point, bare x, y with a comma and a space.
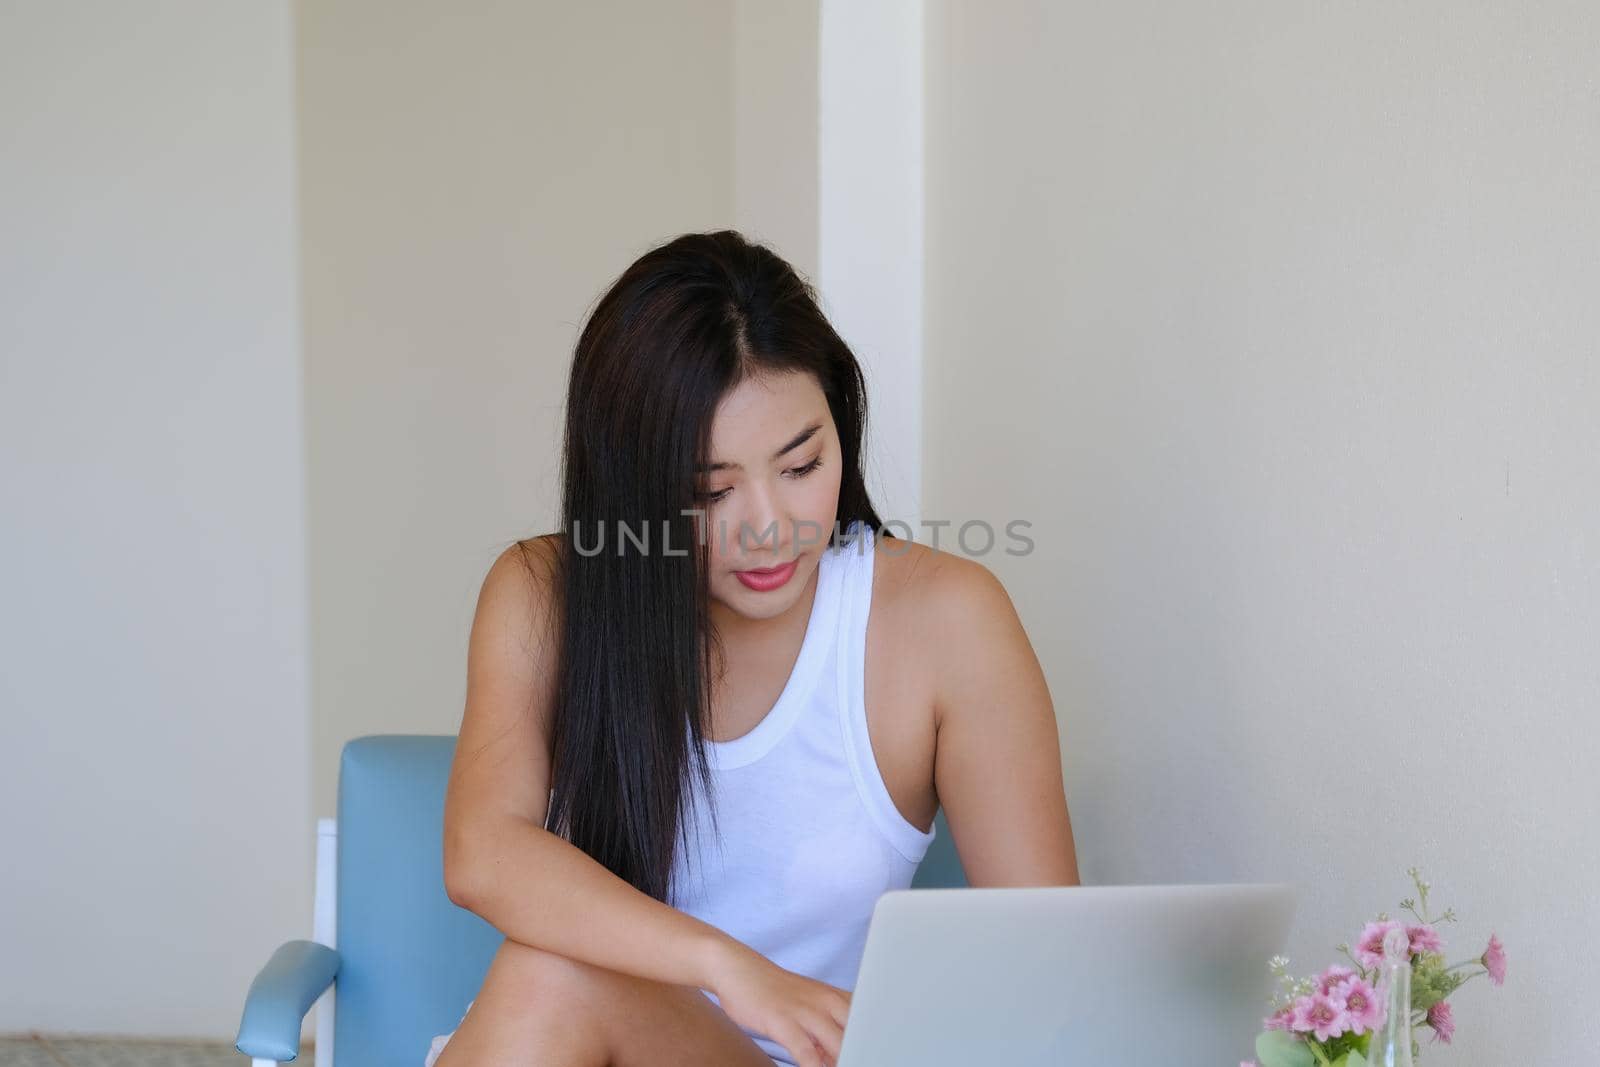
1330, 1020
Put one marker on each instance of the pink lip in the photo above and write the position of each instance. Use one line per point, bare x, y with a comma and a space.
768, 579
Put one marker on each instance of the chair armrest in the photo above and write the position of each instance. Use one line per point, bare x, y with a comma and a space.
296, 975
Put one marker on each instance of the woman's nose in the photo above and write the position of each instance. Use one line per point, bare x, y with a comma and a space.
763, 524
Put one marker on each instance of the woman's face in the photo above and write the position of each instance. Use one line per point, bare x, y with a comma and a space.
770, 491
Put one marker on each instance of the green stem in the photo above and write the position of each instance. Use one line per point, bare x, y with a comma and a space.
1422, 892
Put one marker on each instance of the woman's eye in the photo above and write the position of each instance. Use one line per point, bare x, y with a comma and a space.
793, 472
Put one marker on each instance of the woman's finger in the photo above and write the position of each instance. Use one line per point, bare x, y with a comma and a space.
827, 1033
800, 1045
839, 1009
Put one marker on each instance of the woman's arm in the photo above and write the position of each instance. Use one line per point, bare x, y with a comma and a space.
997, 761
543, 891
499, 861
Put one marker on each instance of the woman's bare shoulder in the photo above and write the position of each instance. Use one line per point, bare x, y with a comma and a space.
922, 579
541, 552
521, 592
941, 607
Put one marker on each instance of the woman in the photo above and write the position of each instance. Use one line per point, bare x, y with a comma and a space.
690, 759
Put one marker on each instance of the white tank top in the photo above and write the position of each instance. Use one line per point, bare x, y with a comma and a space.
809, 836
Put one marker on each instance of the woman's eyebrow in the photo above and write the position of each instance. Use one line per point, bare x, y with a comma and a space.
794, 442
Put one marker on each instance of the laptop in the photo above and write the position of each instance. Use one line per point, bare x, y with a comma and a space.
1066, 976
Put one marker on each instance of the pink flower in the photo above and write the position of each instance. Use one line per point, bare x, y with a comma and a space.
1442, 1021
1424, 939
1369, 948
1494, 960
1361, 1004
1321, 1015
1332, 977
1279, 1020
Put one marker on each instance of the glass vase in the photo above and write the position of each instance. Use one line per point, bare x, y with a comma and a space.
1391, 1044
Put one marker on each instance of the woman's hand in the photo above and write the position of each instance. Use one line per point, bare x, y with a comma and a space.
802, 1014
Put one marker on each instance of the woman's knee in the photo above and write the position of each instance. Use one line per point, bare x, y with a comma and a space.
534, 1006
546, 978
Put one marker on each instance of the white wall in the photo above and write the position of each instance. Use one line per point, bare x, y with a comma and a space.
153, 694
1278, 320
775, 97
870, 228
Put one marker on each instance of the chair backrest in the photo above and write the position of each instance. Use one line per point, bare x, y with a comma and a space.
941, 867
410, 959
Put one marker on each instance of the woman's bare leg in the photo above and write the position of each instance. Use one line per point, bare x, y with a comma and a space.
540, 1009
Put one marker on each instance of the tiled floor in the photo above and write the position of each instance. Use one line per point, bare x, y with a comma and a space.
41, 1051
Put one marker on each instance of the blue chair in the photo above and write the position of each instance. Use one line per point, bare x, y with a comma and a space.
402, 958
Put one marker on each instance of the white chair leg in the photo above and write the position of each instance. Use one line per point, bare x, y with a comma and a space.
324, 929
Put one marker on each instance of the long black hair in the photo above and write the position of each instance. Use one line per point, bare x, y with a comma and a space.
684, 324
